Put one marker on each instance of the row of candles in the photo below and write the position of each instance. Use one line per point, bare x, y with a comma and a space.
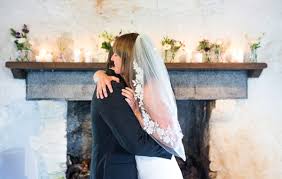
79, 55
235, 55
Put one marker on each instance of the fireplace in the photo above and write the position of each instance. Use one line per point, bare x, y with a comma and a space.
196, 86
193, 117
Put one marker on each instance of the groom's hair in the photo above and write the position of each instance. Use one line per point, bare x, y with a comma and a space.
123, 47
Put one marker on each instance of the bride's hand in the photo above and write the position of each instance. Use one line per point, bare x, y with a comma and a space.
103, 82
131, 100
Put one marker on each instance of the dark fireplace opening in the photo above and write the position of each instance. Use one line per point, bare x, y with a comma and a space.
193, 116
79, 140
77, 168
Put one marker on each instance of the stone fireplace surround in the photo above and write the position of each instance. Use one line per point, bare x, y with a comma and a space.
196, 87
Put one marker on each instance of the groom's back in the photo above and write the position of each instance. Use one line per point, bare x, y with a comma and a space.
109, 159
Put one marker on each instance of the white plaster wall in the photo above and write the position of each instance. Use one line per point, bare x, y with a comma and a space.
246, 140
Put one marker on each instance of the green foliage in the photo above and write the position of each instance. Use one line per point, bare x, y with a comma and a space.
256, 43
108, 40
106, 45
171, 44
217, 48
167, 40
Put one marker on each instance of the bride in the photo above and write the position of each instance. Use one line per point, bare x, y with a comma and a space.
151, 98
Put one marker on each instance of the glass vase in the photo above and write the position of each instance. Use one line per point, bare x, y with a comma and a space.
206, 57
216, 56
168, 56
23, 55
253, 55
61, 57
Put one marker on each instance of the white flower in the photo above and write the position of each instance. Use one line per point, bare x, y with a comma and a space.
167, 47
254, 41
177, 44
22, 40
112, 43
218, 42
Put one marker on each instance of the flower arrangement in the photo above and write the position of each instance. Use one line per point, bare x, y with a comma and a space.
64, 46
254, 44
205, 47
217, 49
22, 43
108, 40
171, 45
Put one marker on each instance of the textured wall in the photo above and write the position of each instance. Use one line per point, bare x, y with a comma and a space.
246, 139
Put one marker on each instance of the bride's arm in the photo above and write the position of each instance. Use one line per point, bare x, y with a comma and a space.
103, 81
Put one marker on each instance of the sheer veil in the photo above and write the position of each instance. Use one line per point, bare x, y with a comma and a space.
155, 97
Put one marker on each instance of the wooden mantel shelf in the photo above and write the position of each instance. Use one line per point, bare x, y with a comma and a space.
19, 69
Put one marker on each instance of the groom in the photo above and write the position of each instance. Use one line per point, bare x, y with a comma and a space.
118, 137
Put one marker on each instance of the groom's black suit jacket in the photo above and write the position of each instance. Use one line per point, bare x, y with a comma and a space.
118, 137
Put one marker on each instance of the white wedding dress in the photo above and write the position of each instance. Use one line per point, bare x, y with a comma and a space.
157, 104
157, 168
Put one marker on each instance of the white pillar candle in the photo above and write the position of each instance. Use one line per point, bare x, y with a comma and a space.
237, 55
189, 54
42, 56
49, 57
76, 56
42, 52
37, 58
88, 57
198, 57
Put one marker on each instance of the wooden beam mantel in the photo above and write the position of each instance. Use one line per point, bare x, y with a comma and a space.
19, 69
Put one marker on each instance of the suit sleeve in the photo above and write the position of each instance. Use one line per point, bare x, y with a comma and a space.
117, 114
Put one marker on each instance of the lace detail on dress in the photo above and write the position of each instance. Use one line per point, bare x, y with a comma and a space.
166, 135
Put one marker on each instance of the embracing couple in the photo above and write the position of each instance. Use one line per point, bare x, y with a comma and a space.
136, 132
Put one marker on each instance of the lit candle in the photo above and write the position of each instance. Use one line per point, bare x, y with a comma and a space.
88, 56
37, 58
77, 55
49, 57
189, 55
198, 57
237, 55
42, 56
42, 52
